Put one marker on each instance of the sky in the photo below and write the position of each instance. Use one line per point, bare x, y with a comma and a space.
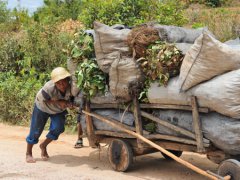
31, 5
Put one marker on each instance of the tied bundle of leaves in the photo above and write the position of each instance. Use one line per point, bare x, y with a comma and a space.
90, 79
140, 38
82, 47
161, 62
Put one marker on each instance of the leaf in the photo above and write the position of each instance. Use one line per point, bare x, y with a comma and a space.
80, 79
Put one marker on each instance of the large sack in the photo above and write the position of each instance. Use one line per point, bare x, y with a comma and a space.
222, 131
125, 76
169, 94
221, 94
126, 118
108, 43
106, 98
207, 58
174, 34
72, 67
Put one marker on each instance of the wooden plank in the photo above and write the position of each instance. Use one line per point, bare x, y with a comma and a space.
173, 138
137, 119
90, 128
177, 146
149, 106
171, 106
197, 125
166, 145
114, 134
151, 136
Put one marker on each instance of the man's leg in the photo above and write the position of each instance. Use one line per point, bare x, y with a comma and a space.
79, 142
29, 156
38, 122
56, 128
43, 147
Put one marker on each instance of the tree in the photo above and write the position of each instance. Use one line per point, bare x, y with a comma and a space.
58, 10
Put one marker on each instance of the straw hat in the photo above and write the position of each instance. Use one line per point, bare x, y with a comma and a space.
59, 73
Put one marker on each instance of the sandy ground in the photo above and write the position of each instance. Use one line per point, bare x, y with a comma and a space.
88, 164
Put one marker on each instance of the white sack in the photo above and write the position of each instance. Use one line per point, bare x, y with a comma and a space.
221, 94
108, 43
169, 94
206, 59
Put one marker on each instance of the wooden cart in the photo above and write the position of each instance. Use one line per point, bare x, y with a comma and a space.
134, 141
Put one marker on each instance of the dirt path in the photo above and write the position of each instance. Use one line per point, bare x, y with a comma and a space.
88, 164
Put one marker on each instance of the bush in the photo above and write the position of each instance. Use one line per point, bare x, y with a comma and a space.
18, 94
11, 52
44, 47
131, 12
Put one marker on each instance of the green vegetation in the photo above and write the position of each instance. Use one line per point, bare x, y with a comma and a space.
31, 46
132, 12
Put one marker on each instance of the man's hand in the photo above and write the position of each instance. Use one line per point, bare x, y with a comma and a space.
62, 103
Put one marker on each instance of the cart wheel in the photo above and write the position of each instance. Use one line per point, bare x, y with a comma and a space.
230, 167
176, 153
120, 155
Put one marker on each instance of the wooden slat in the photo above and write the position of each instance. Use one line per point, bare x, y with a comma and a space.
114, 134
90, 129
150, 106
173, 138
176, 146
169, 106
137, 119
197, 125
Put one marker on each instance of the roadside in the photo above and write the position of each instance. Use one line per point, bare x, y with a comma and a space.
86, 163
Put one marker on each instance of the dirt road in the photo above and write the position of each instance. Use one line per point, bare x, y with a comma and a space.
68, 163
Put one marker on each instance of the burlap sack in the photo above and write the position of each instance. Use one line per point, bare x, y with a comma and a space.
125, 76
108, 43
206, 59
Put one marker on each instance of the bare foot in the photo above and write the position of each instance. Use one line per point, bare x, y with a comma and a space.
30, 159
44, 153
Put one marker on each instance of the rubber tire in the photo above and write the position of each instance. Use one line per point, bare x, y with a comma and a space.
176, 153
120, 155
230, 167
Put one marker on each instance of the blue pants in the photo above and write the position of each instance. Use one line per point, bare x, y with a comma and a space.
39, 119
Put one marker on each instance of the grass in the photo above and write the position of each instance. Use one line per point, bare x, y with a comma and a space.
222, 22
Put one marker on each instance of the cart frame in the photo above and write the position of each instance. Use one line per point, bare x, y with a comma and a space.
194, 142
